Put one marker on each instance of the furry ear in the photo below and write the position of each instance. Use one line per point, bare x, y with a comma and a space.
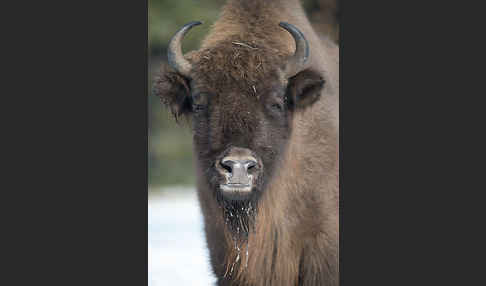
305, 88
173, 90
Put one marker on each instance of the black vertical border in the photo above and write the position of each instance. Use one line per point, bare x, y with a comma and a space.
75, 193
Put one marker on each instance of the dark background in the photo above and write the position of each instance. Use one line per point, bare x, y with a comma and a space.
170, 145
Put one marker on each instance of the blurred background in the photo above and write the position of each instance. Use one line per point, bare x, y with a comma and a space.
176, 238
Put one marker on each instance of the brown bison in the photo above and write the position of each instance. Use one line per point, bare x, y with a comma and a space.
261, 95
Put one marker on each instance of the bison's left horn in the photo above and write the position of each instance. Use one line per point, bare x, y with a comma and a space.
174, 53
296, 62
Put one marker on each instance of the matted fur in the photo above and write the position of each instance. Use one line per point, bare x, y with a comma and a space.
293, 236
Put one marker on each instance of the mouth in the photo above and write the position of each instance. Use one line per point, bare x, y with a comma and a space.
236, 192
244, 188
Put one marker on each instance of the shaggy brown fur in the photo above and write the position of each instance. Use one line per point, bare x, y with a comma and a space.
291, 237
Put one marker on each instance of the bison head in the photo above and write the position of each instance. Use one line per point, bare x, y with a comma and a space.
240, 98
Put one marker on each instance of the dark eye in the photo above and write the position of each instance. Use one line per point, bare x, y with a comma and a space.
198, 107
199, 102
277, 106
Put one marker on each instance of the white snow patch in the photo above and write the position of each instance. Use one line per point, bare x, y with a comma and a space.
177, 252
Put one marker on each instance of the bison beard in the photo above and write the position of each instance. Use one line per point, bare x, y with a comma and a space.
239, 217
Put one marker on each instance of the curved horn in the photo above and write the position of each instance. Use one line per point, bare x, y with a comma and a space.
296, 62
174, 53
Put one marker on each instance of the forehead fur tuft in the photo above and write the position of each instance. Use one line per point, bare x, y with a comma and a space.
237, 65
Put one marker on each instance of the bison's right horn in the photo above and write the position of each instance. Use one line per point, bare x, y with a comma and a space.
174, 53
296, 62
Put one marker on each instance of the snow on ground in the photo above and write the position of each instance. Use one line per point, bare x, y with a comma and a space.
177, 253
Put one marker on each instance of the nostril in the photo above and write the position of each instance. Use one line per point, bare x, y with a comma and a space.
226, 166
233, 165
